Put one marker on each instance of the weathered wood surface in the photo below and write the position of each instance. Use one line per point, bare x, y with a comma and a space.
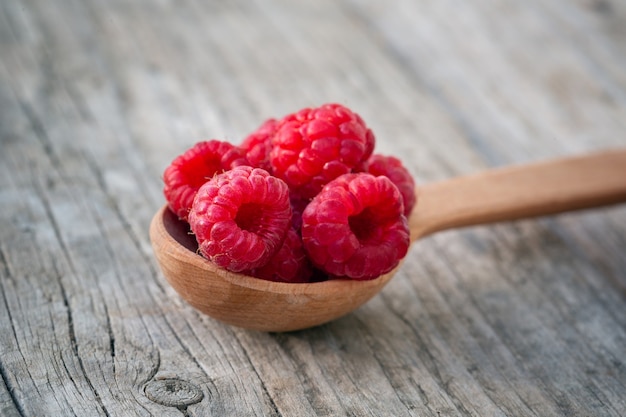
96, 98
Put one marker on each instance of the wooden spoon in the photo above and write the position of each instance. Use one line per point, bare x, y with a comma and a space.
492, 196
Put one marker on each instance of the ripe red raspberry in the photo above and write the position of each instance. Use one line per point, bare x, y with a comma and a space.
393, 169
187, 172
241, 217
289, 264
355, 227
258, 145
314, 146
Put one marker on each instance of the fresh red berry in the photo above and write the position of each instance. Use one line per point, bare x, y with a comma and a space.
355, 227
241, 217
316, 145
187, 172
258, 145
289, 264
392, 168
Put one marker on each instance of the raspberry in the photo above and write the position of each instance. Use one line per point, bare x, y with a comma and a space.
393, 169
355, 227
187, 172
314, 146
241, 217
258, 145
289, 264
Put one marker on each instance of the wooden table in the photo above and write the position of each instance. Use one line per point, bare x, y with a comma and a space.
96, 98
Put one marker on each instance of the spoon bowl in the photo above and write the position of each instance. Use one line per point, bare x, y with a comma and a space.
497, 195
245, 301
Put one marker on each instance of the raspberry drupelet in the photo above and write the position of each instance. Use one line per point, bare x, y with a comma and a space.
187, 172
356, 227
241, 217
316, 145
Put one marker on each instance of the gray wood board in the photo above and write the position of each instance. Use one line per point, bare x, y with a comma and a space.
96, 98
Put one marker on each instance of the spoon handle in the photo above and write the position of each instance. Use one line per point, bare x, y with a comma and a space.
520, 192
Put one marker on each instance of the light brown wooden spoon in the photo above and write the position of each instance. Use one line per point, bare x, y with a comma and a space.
492, 196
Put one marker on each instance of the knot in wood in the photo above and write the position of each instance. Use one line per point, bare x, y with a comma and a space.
173, 392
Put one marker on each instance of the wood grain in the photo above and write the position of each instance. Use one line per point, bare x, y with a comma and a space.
96, 98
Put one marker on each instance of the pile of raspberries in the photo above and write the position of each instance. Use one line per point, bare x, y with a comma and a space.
302, 199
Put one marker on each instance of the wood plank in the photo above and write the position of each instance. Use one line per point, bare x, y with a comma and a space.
96, 98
